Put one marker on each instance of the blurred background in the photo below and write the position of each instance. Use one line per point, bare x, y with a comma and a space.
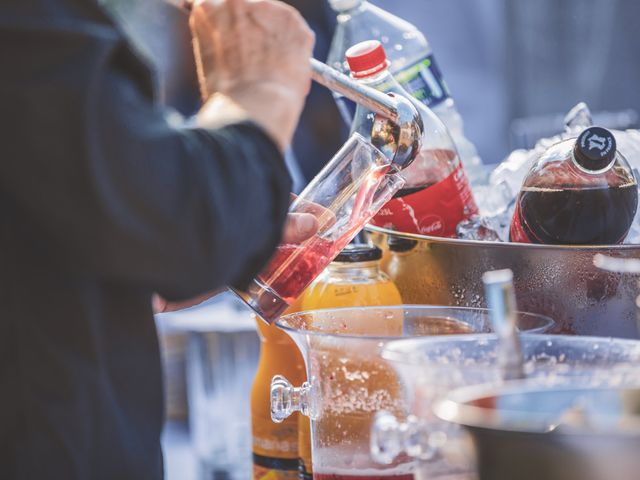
514, 68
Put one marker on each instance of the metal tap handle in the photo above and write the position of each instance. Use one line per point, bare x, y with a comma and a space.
501, 300
397, 127
370, 98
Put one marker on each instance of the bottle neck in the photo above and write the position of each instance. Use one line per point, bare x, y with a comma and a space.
363, 117
382, 81
352, 271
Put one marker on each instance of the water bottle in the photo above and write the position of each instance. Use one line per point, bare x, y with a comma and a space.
411, 62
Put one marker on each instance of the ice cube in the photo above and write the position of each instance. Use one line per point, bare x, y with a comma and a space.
515, 167
634, 233
494, 199
477, 228
578, 118
633, 237
507, 178
628, 144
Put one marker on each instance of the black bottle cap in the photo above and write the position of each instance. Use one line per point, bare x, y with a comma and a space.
400, 244
359, 252
595, 149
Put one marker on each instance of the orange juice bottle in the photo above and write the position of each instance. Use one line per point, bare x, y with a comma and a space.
275, 445
353, 279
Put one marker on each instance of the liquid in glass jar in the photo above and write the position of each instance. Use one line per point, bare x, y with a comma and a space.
353, 279
275, 445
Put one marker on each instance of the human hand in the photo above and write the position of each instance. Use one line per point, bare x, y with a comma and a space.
298, 228
254, 53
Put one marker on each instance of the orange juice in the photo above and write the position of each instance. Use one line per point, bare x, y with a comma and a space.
275, 445
354, 279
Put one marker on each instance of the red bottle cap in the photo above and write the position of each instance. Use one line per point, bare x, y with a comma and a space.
366, 59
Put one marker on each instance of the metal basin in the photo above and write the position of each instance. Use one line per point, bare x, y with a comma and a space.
569, 433
558, 281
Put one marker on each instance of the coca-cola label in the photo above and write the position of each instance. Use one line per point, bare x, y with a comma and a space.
435, 210
423, 80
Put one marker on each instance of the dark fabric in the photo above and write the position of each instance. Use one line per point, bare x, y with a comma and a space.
102, 203
321, 131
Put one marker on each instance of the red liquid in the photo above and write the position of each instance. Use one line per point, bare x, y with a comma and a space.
294, 267
433, 209
339, 476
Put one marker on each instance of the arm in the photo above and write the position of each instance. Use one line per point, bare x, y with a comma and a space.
206, 205
130, 198
114, 190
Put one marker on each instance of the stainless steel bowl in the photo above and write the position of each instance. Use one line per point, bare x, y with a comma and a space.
558, 281
568, 433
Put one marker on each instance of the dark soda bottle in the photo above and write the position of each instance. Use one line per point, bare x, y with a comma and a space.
581, 191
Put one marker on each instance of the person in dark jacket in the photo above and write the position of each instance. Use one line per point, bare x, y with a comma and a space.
104, 202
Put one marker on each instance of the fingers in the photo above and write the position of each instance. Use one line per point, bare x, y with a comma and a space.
202, 52
286, 23
300, 227
244, 47
160, 305
186, 5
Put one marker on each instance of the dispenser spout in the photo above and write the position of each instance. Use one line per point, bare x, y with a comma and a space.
397, 129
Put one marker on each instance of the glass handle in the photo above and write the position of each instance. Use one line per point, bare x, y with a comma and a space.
390, 438
287, 399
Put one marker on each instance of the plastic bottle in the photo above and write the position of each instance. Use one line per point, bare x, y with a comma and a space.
412, 63
581, 191
436, 196
275, 445
353, 279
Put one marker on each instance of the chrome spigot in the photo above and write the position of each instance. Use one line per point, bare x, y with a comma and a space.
397, 127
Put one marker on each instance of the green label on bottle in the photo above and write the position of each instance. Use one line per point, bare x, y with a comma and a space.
424, 82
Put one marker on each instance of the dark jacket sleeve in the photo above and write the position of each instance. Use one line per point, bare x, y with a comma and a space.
119, 192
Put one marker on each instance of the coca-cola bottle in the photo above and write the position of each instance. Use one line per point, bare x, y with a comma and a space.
436, 196
581, 191
412, 63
